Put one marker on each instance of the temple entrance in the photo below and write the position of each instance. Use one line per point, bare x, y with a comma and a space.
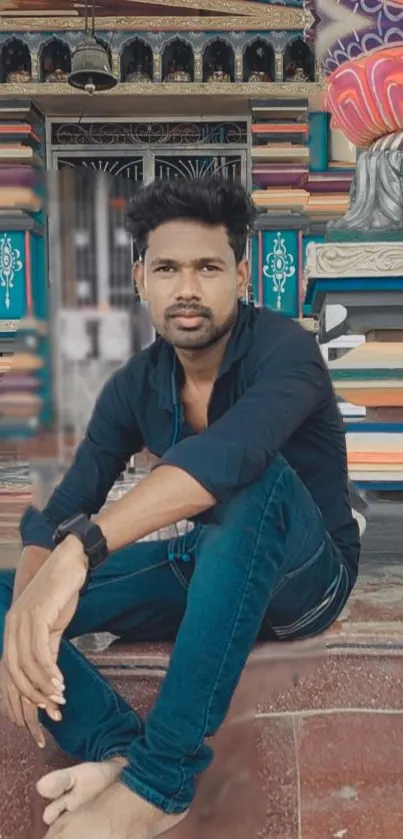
95, 169
97, 252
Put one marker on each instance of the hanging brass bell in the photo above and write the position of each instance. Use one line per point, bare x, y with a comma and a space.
90, 67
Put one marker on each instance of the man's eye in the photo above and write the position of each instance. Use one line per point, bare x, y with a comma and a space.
210, 268
165, 269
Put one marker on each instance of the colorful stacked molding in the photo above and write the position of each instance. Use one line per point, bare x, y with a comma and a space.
360, 268
24, 394
297, 189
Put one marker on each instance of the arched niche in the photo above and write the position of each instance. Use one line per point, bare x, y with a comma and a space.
178, 63
259, 64
136, 62
55, 61
298, 62
16, 63
218, 62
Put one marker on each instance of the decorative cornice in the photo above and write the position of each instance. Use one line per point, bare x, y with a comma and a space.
361, 259
245, 89
228, 7
270, 17
9, 325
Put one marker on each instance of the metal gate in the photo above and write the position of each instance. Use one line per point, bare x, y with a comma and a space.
98, 268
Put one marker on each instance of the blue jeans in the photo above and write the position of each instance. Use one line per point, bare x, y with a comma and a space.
264, 566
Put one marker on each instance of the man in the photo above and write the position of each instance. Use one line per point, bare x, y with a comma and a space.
238, 405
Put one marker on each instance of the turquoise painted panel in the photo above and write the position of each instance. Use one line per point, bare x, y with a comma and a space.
280, 271
12, 275
39, 275
318, 141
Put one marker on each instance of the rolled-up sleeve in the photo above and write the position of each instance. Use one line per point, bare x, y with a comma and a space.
111, 438
289, 385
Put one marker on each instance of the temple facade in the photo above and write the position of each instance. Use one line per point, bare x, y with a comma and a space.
229, 87
237, 88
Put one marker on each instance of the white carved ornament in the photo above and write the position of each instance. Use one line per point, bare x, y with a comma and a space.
280, 268
10, 265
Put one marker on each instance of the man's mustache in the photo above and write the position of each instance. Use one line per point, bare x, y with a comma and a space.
190, 311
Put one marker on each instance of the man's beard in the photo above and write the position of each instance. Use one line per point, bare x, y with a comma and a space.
199, 338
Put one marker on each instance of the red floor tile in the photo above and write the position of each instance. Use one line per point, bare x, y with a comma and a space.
278, 776
346, 679
351, 770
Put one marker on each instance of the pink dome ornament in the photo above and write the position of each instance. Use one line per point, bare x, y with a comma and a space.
365, 97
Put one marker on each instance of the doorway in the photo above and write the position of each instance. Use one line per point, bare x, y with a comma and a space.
99, 166
94, 170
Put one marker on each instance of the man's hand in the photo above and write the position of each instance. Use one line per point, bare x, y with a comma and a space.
22, 712
36, 622
19, 711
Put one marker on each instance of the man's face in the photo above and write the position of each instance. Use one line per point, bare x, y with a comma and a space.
191, 283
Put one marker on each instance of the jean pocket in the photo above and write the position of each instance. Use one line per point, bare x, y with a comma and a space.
322, 615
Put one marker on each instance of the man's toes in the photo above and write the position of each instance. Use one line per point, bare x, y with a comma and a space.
55, 809
55, 784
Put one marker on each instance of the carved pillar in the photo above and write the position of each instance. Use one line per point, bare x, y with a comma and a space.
279, 66
239, 67
198, 60
116, 65
36, 72
157, 63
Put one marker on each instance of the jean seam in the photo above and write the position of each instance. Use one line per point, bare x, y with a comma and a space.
125, 577
178, 553
290, 632
266, 503
293, 574
327, 600
178, 574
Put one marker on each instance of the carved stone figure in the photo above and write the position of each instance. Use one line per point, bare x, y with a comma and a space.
376, 197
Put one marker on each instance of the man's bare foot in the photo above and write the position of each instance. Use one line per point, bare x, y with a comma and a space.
69, 789
116, 812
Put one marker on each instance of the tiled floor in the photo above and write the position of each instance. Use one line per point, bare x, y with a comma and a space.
320, 759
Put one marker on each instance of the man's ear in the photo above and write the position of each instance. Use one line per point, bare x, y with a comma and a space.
243, 278
139, 280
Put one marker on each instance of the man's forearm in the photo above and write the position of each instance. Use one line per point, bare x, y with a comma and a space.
164, 497
32, 559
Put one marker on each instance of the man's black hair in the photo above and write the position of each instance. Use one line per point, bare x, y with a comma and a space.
211, 201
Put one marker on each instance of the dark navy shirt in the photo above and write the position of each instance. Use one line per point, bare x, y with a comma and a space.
273, 394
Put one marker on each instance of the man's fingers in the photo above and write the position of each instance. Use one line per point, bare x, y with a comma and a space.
21, 665
46, 649
11, 663
21, 712
30, 713
36, 659
32, 668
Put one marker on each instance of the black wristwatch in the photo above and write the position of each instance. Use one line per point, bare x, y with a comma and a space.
90, 536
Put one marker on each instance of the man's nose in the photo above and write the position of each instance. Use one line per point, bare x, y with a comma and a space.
188, 285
